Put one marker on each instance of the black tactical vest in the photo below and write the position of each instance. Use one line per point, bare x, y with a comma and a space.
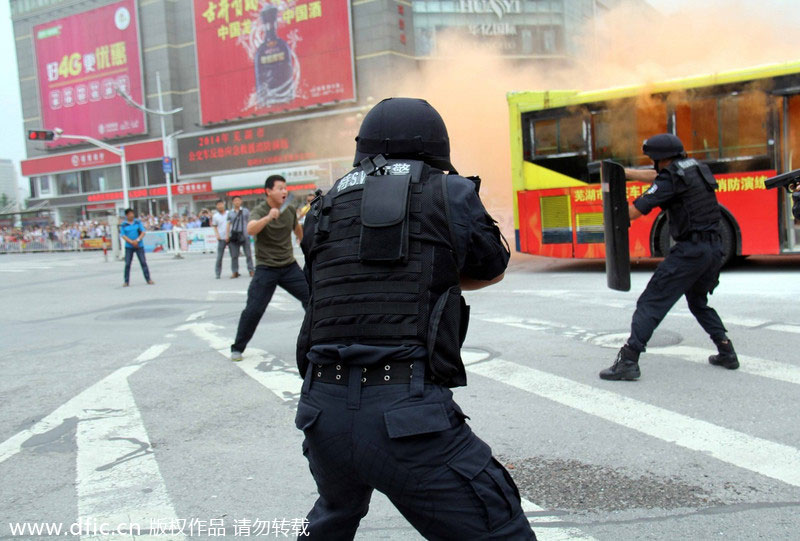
695, 207
382, 267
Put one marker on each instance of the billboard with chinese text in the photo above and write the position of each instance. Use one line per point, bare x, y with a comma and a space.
243, 148
256, 57
81, 61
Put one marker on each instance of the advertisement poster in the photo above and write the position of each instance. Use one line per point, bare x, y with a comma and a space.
155, 241
265, 146
81, 60
256, 57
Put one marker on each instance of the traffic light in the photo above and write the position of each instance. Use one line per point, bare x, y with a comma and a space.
40, 135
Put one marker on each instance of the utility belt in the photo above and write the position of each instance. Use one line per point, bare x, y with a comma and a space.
381, 374
700, 236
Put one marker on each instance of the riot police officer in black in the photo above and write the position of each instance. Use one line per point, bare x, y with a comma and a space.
388, 251
684, 188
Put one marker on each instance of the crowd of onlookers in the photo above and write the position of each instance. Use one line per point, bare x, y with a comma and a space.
84, 229
165, 222
94, 229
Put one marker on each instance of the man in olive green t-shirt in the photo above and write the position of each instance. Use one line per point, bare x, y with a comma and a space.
275, 263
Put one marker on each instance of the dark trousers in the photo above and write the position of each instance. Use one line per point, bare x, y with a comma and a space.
139, 251
691, 269
262, 286
415, 449
248, 258
221, 244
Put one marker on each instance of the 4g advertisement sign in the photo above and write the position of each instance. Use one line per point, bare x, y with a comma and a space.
81, 61
256, 57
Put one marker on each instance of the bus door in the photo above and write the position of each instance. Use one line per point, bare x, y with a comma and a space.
587, 215
790, 133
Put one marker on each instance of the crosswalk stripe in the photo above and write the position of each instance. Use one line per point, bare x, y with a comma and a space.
283, 380
795, 329
72, 408
551, 533
118, 479
768, 458
755, 366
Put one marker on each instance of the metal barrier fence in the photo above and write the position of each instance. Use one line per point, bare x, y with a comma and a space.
199, 240
73, 245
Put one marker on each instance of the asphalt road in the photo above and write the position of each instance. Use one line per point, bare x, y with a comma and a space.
119, 405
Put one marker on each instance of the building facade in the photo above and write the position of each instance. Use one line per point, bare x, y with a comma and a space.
252, 87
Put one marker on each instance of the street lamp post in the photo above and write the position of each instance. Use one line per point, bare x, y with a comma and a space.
164, 137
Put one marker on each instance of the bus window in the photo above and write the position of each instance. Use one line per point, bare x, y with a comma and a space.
618, 132
696, 125
570, 134
602, 135
545, 137
558, 136
743, 123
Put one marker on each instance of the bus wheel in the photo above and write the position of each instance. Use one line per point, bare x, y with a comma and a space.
728, 241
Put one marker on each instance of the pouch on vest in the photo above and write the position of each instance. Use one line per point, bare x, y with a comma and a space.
446, 333
708, 177
384, 219
304, 342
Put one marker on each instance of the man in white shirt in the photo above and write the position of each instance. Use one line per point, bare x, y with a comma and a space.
220, 224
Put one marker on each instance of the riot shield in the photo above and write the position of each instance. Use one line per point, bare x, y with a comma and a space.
616, 222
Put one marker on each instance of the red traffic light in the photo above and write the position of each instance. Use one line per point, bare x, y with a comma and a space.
40, 135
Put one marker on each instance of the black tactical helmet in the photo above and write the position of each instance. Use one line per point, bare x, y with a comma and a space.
663, 146
404, 128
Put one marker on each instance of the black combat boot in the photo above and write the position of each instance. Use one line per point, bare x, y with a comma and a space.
626, 366
726, 357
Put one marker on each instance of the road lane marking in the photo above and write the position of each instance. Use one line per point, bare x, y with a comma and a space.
795, 329
197, 315
75, 407
151, 353
549, 532
118, 478
582, 298
765, 457
279, 377
756, 366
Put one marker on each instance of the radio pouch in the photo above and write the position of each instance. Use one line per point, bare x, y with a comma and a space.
384, 219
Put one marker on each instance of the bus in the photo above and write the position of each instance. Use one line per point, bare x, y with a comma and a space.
744, 124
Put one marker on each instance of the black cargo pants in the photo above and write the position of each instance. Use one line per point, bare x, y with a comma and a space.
691, 269
411, 443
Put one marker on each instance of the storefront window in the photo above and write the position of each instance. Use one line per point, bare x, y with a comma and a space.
68, 183
44, 185
92, 181
155, 173
136, 176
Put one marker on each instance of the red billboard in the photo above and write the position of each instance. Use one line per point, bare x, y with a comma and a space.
256, 57
81, 60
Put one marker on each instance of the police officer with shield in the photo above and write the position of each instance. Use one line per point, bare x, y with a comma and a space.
684, 188
389, 250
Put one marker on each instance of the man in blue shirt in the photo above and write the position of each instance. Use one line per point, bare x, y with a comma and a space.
132, 232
